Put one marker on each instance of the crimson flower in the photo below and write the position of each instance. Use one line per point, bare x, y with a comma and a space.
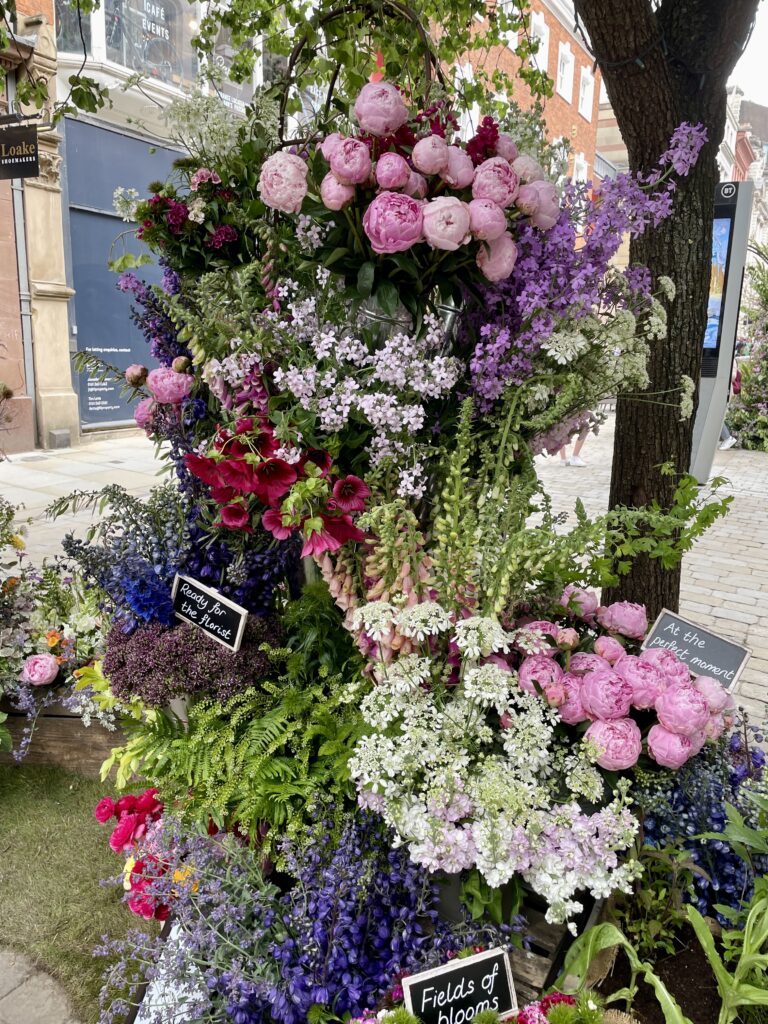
272, 520
125, 805
148, 803
204, 469
104, 810
238, 474
236, 517
130, 828
319, 457
336, 530
272, 479
350, 493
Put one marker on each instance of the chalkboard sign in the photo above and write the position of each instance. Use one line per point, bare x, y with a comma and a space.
210, 611
705, 653
456, 992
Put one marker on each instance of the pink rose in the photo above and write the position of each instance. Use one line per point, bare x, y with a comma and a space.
581, 602
495, 180
624, 617
582, 663
351, 162
540, 202
104, 810
714, 694
393, 222
169, 387
416, 186
392, 171
572, 710
283, 182
605, 695
505, 147
682, 709
430, 155
380, 109
527, 169
335, 194
446, 223
39, 669
487, 220
136, 374
144, 412
608, 647
538, 669
646, 681
670, 666
497, 259
459, 171
668, 748
567, 639
620, 742
329, 144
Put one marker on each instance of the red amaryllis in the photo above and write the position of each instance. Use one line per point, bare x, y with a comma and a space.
319, 458
350, 493
236, 517
272, 520
272, 479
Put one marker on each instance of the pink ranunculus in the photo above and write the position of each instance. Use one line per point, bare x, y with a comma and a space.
620, 741
527, 169
392, 171
670, 666
567, 639
714, 693
540, 202
506, 147
446, 223
380, 109
351, 162
668, 748
329, 144
125, 805
39, 669
497, 259
283, 182
430, 155
610, 648
487, 220
335, 194
538, 669
393, 222
579, 601
459, 172
130, 828
647, 682
624, 617
583, 662
605, 695
572, 710
495, 180
682, 709
104, 810
416, 186
136, 374
147, 803
715, 727
169, 387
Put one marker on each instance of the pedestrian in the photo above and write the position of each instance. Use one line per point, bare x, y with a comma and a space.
727, 440
575, 459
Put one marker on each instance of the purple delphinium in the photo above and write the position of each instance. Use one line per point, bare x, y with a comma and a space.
151, 317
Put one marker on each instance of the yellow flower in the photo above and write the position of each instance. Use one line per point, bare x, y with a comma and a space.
17, 542
127, 870
52, 637
181, 875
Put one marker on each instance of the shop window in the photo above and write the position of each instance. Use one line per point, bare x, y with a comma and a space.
586, 93
565, 65
152, 37
68, 29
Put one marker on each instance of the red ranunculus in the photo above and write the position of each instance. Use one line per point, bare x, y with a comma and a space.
272, 520
236, 517
125, 805
130, 828
148, 803
319, 457
105, 809
272, 479
350, 493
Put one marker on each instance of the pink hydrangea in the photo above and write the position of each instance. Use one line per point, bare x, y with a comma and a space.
583, 662
610, 648
495, 180
620, 742
335, 194
169, 387
646, 681
39, 669
538, 669
380, 109
624, 617
283, 182
393, 222
446, 223
496, 259
572, 710
487, 220
668, 748
459, 172
351, 161
713, 692
392, 171
605, 695
430, 155
579, 601
682, 709
670, 666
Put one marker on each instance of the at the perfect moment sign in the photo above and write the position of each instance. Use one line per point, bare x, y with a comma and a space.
458, 991
705, 653
18, 152
220, 618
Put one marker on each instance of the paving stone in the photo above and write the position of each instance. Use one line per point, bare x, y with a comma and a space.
14, 970
38, 1000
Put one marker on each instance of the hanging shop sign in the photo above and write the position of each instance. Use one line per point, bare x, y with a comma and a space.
704, 652
216, 615
19, 152
458, 991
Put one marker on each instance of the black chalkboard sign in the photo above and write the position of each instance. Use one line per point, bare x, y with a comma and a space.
210, 611
457, 991
705, 653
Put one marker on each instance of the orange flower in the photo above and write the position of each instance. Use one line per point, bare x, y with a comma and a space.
10, 583
53, 637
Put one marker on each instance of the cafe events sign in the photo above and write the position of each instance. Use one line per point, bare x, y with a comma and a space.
18, 152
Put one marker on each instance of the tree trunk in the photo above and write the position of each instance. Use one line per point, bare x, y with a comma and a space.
662, 67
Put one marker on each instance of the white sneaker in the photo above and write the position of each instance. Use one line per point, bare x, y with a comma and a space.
729, 442
564, 463
575, 460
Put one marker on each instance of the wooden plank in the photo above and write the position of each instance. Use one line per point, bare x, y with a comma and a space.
65, 741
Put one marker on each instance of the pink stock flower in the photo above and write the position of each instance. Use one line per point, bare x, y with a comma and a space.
487, 220
446, 223
583, 662
497, 259
670, 666
610, 648
283, 182
272, 520
144, 412
527, 169
495, 180
351, 162
538, 669
646, 681
104, 810
335, 194
713, 692
459, 172
581, 602
606, 695
506, 147
136, 374
169, 387
540, 202
416, 186
572, 710
620, 742
39, 669
380, 109
349, 494
668, 748
393, 222
682, 709
624, 617
430, 155
392, 171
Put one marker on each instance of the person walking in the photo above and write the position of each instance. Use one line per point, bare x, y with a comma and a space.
575, 459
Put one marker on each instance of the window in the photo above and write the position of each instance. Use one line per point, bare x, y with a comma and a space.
565, 65
510, 38
152, 37
580, 167
470, 119
68, 29
540, 31
586, 93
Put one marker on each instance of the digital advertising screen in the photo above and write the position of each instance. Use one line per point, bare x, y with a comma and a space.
722, 230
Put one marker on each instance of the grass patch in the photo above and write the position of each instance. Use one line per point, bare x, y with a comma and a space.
53, 855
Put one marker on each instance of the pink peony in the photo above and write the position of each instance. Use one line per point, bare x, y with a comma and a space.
682, 709
646, 681
459, 172
581, 602
136, 374
416, 186
697, 741
495, 180
335, 194
567, 639
329, 144
544, 628
572, 710
446, 223
505, 147
392, 171
169, 387
351, 162
380, 109
538, 669
430, 155
527, 169
104, 810
715, 695
497, 259
605, 695
393, 222
582, 663
624, 617
608, 647
487, 220
715, 727
670, 666
668, 748
283, 182
540, 202
620, 742
39, 669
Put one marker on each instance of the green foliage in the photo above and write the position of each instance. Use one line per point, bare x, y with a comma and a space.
486, 1017
587, 1010
6, 742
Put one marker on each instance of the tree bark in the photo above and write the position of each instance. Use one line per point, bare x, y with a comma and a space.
664, 64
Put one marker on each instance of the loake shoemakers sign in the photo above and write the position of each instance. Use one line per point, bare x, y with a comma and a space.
18, 152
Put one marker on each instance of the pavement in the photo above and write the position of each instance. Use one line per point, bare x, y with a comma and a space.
27, 996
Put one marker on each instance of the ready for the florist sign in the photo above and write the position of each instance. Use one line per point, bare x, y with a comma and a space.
206, 608
18, 152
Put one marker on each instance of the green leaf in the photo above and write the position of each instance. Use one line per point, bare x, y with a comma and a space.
337, 255
387, 297
128, 261
365, 276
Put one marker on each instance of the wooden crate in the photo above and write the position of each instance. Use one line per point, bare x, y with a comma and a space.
60, 738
